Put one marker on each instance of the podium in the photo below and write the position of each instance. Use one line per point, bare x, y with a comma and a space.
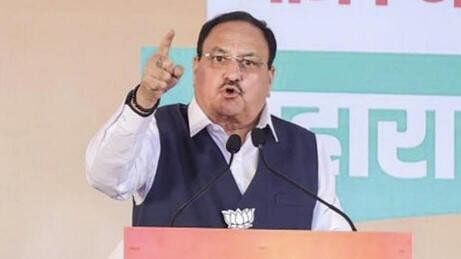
200, 243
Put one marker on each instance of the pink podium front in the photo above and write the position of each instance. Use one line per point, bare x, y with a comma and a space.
200, 243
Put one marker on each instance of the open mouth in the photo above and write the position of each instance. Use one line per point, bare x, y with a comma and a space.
231, 91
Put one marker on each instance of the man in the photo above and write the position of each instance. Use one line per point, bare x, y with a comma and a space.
163, 156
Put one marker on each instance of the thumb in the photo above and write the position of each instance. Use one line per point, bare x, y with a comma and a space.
178, 71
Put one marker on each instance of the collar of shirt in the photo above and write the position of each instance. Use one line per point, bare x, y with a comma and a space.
198, 120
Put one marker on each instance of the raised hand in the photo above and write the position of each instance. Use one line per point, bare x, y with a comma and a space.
160, 74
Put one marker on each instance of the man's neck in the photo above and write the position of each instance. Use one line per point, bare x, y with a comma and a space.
239, 124
235, 126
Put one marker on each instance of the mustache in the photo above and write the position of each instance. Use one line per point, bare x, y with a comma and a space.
235, 85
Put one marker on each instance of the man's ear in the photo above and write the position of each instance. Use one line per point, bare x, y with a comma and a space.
271, 78
195, 63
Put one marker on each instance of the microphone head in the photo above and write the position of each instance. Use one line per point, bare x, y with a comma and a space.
257, 137
234, 143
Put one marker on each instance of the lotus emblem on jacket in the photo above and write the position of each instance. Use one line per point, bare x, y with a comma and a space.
239, 218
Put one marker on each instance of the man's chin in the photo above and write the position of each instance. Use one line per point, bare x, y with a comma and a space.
229, 110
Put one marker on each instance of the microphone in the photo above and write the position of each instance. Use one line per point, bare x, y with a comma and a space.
233, 145
258, 138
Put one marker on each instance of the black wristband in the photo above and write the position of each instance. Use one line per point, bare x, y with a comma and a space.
138, 109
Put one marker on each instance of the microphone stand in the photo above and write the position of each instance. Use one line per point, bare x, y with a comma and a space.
258, 139
233, 146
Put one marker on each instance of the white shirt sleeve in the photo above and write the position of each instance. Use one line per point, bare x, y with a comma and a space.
323, 217
121, 160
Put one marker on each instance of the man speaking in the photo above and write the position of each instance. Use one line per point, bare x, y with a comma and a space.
222, 160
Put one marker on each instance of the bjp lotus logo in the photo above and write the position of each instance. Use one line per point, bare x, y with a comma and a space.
241, 219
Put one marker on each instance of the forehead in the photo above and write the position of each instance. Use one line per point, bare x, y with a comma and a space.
238, 37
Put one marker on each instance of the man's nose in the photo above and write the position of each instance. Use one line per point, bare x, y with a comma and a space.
234, 70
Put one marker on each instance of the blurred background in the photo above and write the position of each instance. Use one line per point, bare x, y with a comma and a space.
65, 67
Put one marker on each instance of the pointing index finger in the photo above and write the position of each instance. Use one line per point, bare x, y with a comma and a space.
165, 44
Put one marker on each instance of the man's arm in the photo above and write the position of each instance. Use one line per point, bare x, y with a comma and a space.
121, 160
323, 217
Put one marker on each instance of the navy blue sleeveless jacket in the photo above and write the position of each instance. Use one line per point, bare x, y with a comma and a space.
186, 164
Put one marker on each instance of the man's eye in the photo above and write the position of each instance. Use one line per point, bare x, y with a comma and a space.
218, 58
248, 63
